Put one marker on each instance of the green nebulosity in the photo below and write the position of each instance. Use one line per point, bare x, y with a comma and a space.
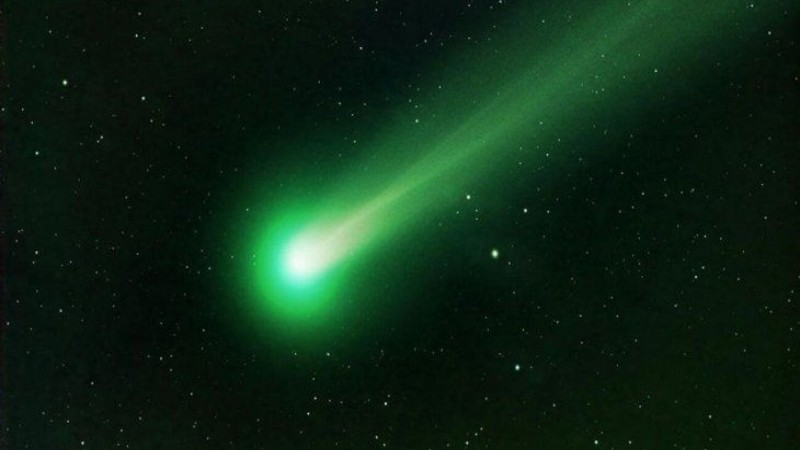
530, 81
280, 291
296, 296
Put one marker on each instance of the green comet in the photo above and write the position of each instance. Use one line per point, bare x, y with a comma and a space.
539, 77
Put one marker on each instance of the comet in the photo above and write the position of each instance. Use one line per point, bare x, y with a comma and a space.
531, 82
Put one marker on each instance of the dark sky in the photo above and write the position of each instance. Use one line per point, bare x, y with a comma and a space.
645, 293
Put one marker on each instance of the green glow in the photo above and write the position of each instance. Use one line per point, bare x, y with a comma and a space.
311, 251
473, 115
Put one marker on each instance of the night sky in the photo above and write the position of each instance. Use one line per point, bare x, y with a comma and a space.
400, 224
